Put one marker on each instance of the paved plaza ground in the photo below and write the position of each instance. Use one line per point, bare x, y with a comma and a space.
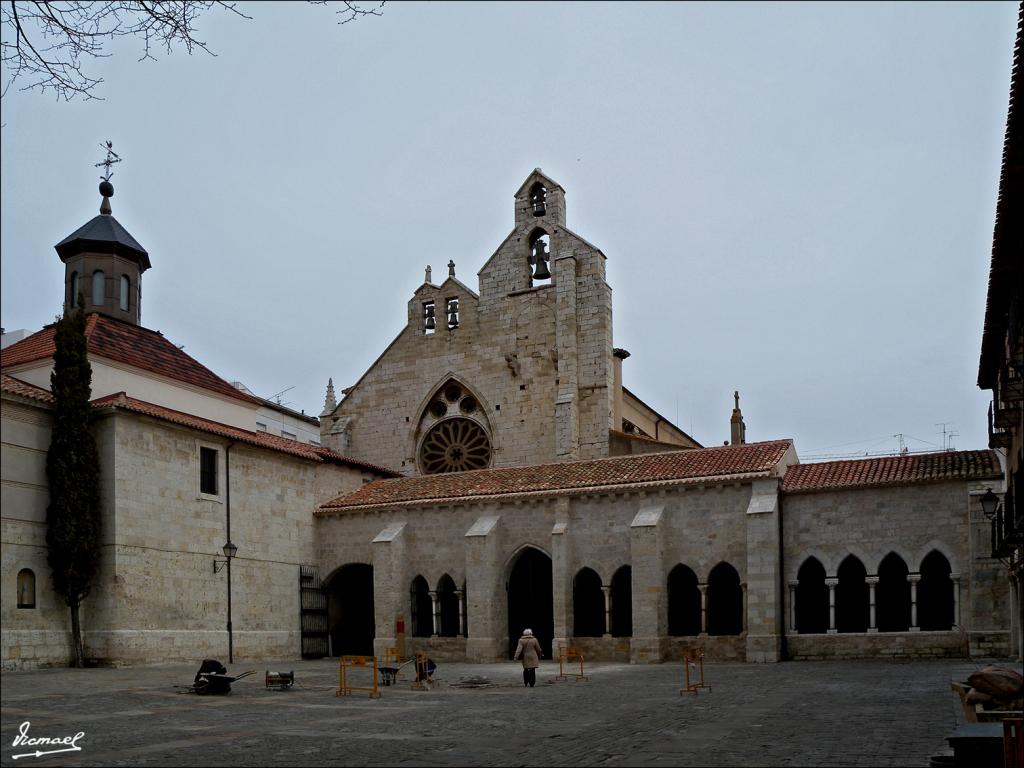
856, 713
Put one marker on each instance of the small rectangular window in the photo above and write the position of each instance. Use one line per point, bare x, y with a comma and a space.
208, 471
260, 427
287, 435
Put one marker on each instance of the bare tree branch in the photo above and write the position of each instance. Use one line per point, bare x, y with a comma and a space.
46, 44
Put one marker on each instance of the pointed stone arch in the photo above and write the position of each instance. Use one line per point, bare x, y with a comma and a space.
453, 431
828, 563
935, 545
530, 599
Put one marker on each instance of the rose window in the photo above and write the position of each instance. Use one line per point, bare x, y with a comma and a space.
455, 445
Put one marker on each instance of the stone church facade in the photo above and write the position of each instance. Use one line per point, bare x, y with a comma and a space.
488, 472
532, 499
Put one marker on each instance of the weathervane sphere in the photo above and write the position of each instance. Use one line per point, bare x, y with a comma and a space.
106, 189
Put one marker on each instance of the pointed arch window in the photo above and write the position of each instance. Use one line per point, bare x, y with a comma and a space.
892, 596
683, 602
99, 287
852, 598
587, 604
811, 598
126, 287
725, 601
448, 605
455, 432
935, 593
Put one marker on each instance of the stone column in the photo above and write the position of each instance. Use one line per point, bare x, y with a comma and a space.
389, 585
561, 577
703, 608
486, 598
872, 582
646, 551
913, 578
435, 613
764, 618
792, 605
955, 578
832, 582
607, 590
461, 597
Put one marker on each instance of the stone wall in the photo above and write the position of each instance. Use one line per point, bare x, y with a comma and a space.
911, 521
39, 636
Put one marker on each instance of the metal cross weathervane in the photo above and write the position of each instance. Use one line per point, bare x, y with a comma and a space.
112, 158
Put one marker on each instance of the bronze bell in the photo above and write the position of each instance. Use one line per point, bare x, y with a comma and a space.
541, 271
430, 323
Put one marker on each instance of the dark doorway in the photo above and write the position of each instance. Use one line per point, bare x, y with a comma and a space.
683, 602
530, 603
811, 599
587, 604
853, 606
622, 602
935, 593
350, 610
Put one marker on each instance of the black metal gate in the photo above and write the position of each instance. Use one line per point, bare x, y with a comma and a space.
313, 607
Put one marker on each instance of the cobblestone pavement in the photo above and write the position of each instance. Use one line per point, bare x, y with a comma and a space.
866, 713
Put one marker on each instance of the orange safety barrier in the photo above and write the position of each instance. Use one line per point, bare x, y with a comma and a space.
693, 659
345, 663
423, 680
565, 655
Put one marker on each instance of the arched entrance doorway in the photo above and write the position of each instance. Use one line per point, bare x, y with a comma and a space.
350, 610
529, 600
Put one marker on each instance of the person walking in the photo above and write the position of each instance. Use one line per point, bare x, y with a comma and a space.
529, 650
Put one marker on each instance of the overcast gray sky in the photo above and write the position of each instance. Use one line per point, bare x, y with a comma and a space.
796, 200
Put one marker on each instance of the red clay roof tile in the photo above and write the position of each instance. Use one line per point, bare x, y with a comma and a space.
23, 388
260, 439
130, 344
670, 468
892, 470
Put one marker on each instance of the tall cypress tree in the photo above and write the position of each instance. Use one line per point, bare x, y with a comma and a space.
72, 469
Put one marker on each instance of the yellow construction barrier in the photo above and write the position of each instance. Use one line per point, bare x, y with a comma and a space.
693, 659
567, 655
345, 663
423, 680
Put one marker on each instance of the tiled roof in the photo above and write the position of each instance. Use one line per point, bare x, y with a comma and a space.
670, 468
18, 387
260, 439
130, 344
892, 470
1006, 273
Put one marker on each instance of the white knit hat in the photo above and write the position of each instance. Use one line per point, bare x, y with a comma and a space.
527, 633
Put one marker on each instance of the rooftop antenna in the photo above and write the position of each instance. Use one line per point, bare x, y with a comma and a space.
946, 433
903, 447
277, 397
951, 436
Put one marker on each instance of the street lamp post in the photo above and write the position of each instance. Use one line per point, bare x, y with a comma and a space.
230, 550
